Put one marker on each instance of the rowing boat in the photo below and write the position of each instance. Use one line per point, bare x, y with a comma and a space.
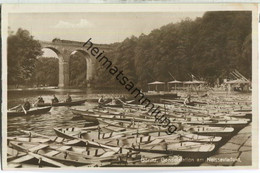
123, 117
152, 144
232, 123
208, 130
32, 111
72, 103
64, 155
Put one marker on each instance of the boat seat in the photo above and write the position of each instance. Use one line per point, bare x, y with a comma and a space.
107, 154
52, 153
64, 148
58, 139
38, 147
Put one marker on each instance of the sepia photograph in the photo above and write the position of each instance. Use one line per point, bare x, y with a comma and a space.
126, 86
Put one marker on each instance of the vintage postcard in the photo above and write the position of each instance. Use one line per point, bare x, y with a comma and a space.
156, 86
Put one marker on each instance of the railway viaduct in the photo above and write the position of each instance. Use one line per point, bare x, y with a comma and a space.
64, 49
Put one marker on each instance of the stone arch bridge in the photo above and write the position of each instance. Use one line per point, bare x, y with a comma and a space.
64, 49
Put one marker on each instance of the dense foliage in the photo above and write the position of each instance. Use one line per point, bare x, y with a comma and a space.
209, 47
46, 72
22, 51
77, 65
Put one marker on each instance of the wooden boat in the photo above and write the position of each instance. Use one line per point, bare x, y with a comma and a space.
103, 133
234, 124
32, 111
19, 159
115, 133
73, 103
208, 130
127, 157
111, 105
96, 111
187, 149
122, 117
194, 117
149, 144
181, 136
61, 155
127, 124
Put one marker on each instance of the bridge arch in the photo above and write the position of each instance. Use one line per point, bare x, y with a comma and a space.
89, 63
63, 65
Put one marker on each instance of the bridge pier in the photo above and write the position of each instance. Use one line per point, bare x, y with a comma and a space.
64, 74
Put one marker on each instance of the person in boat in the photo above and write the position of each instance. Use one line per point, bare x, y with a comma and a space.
101, 100
69, 99
40, 100
187, 100
26, 105
113, 102
55, 99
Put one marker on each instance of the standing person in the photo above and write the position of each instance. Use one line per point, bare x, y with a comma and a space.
69, 99
55, 100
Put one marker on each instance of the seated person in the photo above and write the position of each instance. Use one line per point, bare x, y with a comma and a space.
101, 100
55, 100
187, 100
26, 105
113, 102
69, 99
40, 100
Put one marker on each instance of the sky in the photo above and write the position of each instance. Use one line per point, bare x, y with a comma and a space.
103, 28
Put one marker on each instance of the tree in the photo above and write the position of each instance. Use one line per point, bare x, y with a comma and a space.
22, 51
46, 71
77, 72
209, 47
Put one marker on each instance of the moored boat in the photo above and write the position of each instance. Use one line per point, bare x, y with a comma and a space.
61, 155
180, 144
209, 130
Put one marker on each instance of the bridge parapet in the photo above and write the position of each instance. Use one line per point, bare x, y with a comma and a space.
73, 44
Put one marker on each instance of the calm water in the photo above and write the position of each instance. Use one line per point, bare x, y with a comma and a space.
57, 117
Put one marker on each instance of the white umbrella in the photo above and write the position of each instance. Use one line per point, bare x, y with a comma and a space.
156, 83
174, 82
238, 81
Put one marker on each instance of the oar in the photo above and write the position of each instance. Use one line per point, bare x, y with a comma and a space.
35, 103
24, 110
14, 108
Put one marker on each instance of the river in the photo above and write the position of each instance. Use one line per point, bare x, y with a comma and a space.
57, 117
